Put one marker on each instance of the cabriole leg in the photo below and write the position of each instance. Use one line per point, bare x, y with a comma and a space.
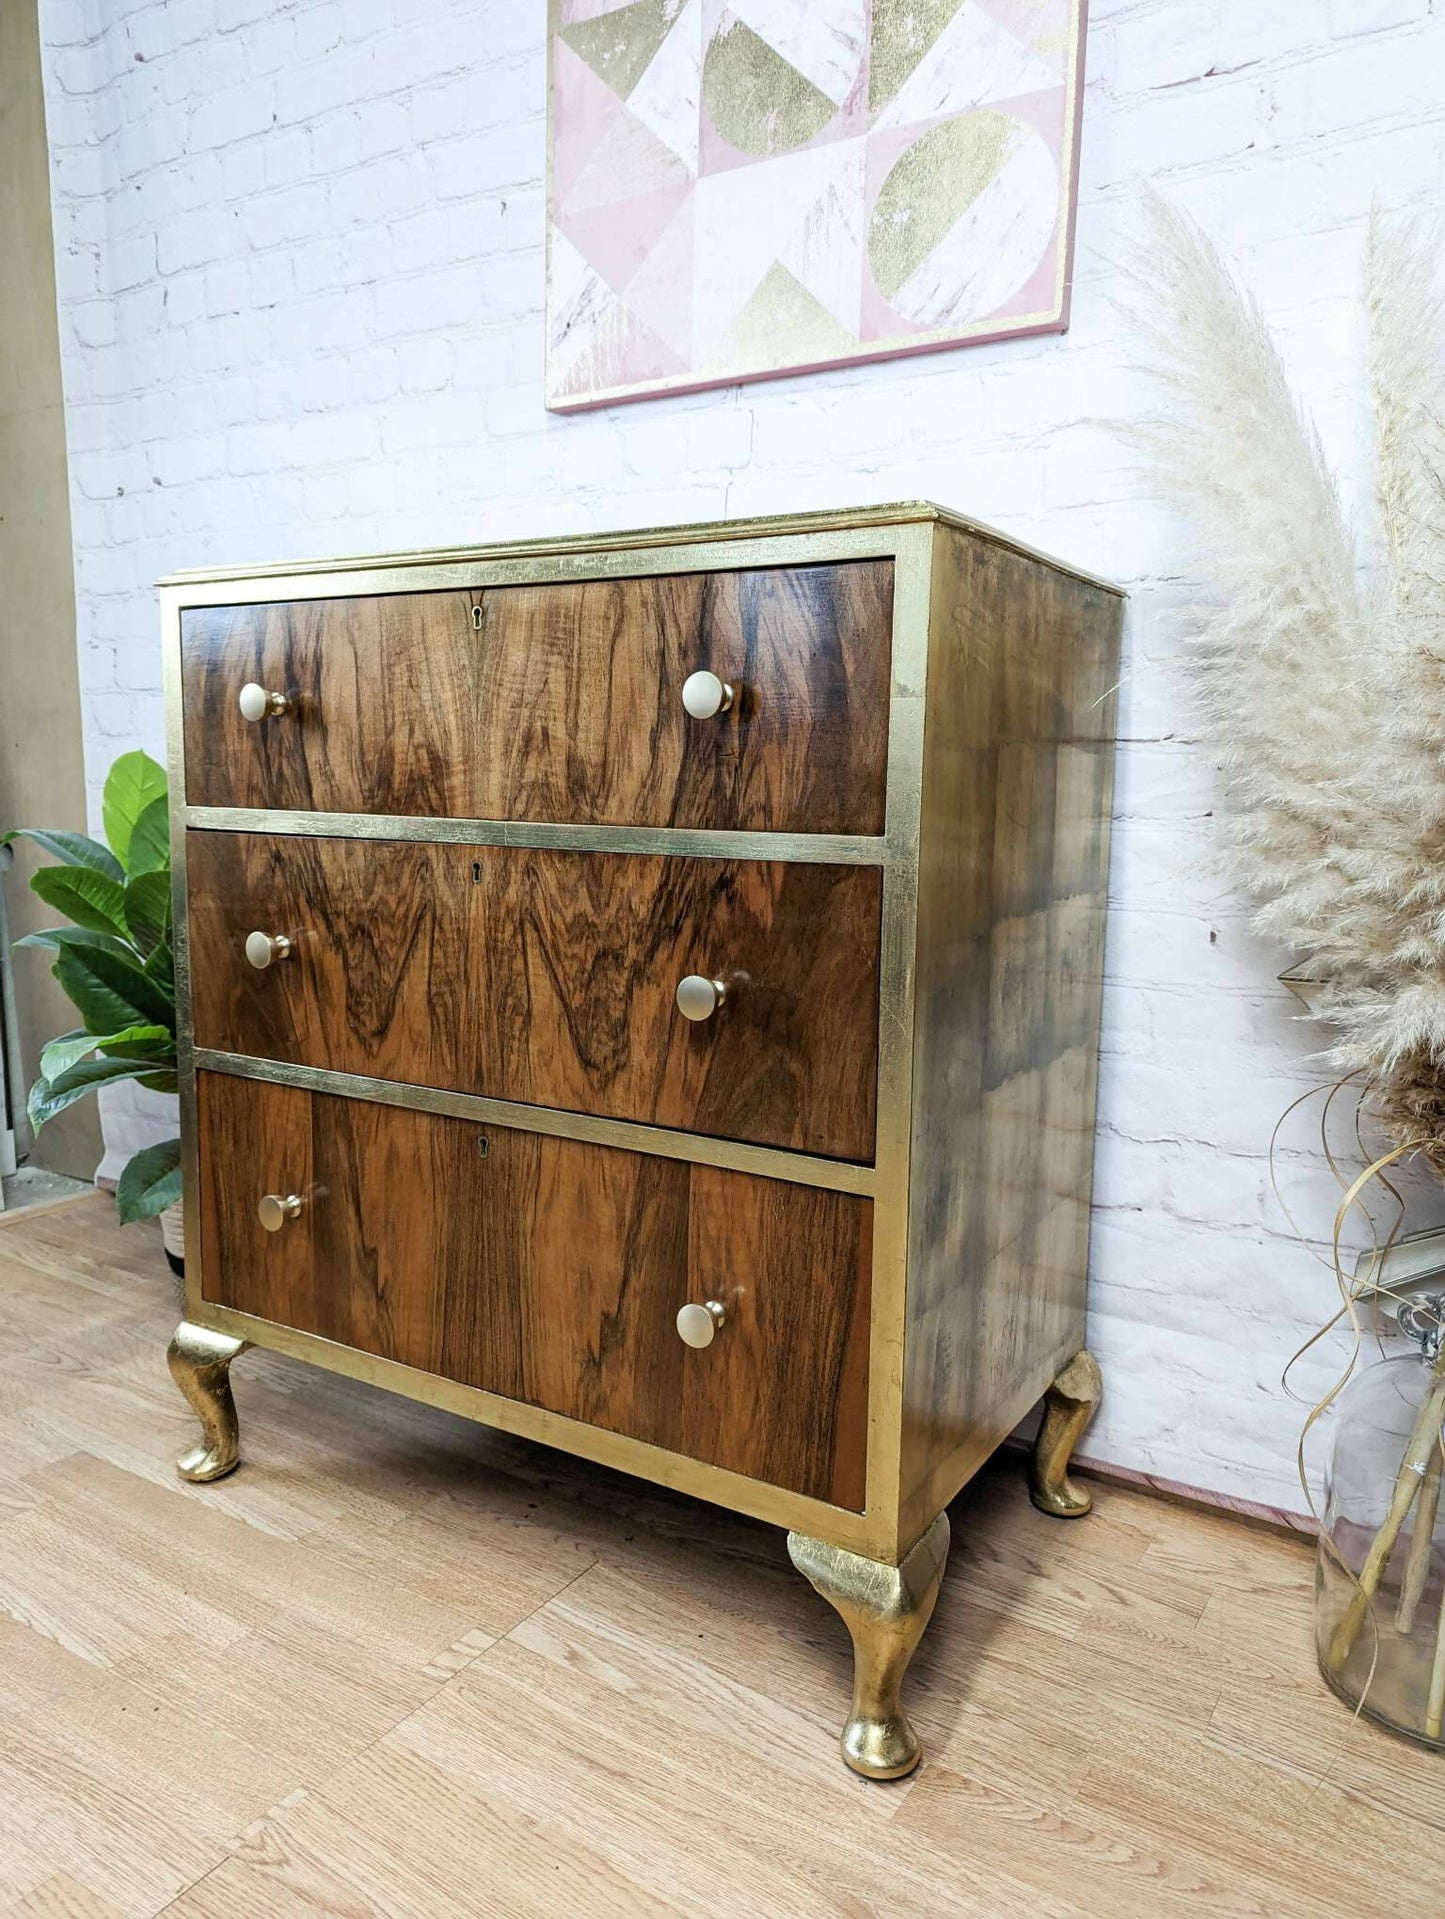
200, 1364
885, 1609
1068, 1407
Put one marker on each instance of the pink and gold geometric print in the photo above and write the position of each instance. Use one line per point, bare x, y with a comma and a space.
742, 188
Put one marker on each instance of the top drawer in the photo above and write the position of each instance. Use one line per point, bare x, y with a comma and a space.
557, 703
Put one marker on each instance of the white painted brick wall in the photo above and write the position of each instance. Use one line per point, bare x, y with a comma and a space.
300, 268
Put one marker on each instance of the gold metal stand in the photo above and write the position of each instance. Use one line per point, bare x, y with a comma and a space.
200, 1364
885, 1609
1068, 1407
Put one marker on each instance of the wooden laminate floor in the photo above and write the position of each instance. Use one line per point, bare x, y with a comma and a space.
401, 1666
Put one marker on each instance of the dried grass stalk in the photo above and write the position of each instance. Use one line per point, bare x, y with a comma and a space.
1327, 703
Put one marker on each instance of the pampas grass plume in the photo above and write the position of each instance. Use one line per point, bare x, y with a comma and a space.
1326, 703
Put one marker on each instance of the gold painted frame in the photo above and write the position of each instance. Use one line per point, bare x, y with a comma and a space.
904, 534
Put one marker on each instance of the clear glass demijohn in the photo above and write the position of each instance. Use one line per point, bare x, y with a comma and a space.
1380, 1569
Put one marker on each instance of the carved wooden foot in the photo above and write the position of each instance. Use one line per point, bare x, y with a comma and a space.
885, 1609
200, 1364
1068, 1407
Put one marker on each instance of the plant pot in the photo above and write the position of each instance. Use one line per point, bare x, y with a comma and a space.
131, 1118
173, 1237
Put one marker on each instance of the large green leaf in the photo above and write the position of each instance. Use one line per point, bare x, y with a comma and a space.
155, 1045
161, 967
71, 849
51, 1096
146, 1046
61, 1054
111, 992
57, 936
150, 1182
148, 908
150, 843
132, 784
91, 899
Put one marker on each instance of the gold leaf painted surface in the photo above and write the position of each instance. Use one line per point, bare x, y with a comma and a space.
757, 101
783, 316
936, 181
903, 31
619, 46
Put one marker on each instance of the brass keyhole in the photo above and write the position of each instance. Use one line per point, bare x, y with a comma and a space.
482, 1147
476, 872
477, 619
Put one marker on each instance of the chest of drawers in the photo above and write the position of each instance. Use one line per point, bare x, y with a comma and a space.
643, 993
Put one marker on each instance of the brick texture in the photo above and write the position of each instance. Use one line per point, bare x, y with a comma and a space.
299, 254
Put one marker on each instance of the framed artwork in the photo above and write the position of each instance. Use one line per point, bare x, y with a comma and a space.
744, 188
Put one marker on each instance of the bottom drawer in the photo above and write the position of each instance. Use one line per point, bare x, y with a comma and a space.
552, 1271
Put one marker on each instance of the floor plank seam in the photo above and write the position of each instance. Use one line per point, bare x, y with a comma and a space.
186, 1891
325, 1778
517, 1625
422, 1705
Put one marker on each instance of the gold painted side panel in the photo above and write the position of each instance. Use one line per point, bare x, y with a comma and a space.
1013, 871
913, 585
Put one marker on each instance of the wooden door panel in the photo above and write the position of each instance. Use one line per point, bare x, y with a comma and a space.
550, 977
552, 1271
563, 705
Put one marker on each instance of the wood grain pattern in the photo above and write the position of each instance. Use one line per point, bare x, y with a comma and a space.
564, 706
401, 1665
1013, 877
552, 1272
550, 977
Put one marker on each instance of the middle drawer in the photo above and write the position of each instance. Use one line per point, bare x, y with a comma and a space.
551, 977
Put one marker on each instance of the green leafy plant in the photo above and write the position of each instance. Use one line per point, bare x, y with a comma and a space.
115, 962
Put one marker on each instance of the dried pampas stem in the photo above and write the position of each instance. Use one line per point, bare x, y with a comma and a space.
1422, 1536
1424, 1437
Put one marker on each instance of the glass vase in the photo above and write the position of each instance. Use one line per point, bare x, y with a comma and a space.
1380, 1568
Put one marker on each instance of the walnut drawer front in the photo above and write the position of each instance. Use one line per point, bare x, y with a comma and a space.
550, 977
556, 703
551, 1271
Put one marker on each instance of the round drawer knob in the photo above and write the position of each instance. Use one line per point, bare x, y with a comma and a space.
705, 695
699, 998
698, 1326
257, 704
264, 949
274, 1211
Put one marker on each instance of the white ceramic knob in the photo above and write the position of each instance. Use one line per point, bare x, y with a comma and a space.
705, 695
274, 1211
264, 949
698, 1326
699, 998
257, 704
